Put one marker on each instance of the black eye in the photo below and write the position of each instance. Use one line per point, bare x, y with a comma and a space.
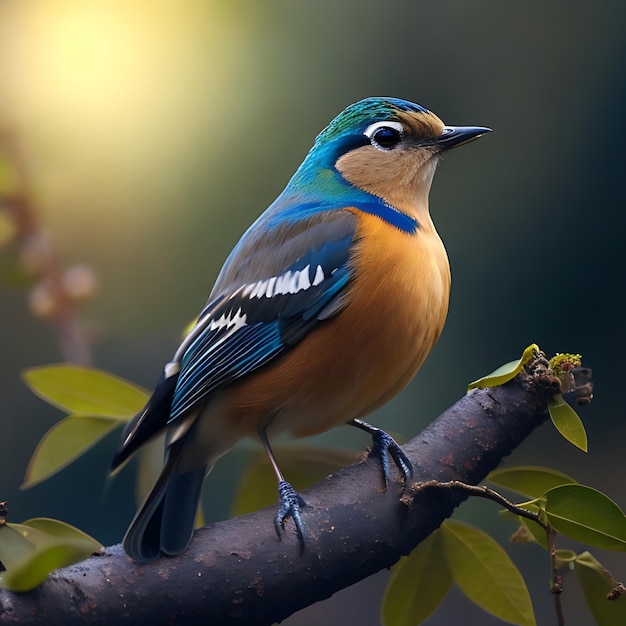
386, 137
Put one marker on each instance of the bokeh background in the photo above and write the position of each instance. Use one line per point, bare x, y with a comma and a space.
154, 132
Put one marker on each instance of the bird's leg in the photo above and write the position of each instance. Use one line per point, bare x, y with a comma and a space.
384, 446
290, 500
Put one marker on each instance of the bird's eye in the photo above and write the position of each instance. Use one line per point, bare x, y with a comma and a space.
386, 138
385, 135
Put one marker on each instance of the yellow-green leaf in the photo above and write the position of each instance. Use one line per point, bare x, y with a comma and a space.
56, 528
149, 466
256, 488
63, 443
486, 574
505, 372
567, 422
418, 584
596, 583
304, 466
47, 545
530, 480
530, 531
536, 531
86, 391
586, 515
35, 569
14, 547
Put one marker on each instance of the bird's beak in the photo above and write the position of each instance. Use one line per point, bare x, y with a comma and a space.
453, 136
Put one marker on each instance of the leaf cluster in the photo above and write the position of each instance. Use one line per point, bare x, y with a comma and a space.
96, 403
484, 572
557, 504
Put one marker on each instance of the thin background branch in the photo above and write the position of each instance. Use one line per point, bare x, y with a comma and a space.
54, 295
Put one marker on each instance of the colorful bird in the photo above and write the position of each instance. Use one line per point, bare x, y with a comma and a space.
323, 311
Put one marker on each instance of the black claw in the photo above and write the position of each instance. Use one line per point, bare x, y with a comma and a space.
291, 503
384, 446
402, 461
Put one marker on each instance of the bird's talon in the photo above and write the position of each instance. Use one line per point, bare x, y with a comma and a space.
291, 503
383, 447
402, 461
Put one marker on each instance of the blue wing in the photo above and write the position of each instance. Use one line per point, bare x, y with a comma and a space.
276, 285
260, 320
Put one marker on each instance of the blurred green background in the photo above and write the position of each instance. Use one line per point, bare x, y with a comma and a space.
155, 132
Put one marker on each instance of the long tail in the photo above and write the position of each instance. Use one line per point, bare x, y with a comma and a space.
165, 522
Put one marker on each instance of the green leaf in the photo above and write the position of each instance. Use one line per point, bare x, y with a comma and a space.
86, 391
567, 422
46, 545
530, 531
418, 584
36, 568
55, 528
256, 488
536, 531
486, 574
530, 480
596, 583
63, 443
586, 515
303, 464
14, 547
505, 372
149, 466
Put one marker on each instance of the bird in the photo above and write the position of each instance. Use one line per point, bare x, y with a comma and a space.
323, 311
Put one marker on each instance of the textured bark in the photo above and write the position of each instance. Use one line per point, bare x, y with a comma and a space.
237, 572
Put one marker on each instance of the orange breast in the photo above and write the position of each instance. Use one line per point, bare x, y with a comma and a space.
355, 362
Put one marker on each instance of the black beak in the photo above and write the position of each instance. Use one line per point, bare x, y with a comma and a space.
453, 136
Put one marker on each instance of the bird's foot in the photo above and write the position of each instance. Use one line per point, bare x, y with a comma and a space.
383, 447
291, 503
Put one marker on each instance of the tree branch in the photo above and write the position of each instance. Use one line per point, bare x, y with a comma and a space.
236, 572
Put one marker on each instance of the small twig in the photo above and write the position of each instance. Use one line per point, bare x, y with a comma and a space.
556, 578
482, 492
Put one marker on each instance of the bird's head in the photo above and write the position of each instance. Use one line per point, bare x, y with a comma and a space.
386, 147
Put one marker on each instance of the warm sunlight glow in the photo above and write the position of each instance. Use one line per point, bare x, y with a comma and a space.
110, 96
92, 62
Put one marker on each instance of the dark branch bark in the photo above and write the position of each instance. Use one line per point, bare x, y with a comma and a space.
236, 572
